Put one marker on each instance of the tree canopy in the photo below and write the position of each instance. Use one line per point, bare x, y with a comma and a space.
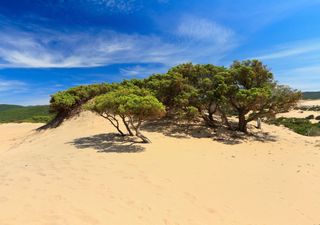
246, 89
131, 104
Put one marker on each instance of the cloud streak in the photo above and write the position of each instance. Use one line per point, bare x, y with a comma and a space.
11, 85
292, 49
55, 49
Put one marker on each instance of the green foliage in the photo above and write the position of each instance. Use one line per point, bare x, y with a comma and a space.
112, 101
187, 91
130, 103
299, 125
66, 101
201, 88
254, 94
18, 114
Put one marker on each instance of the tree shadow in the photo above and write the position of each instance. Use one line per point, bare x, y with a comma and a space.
179, 130
108, 143
199, 130
230, 137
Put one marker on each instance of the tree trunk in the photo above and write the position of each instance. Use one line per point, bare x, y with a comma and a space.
114, 123
142, 137
138, 134
242, 126
224, 118
209, 122
56, 122
127, 125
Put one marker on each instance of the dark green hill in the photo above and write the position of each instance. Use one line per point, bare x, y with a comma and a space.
15, 113
311, 95
8, 107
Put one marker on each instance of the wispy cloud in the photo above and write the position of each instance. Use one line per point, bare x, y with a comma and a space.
292, 49
140, 71
11, 85
53, 49
295, 63
204, 29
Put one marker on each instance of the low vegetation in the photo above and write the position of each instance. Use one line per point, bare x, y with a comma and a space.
31, 114
309, 108
189, 92
299, 125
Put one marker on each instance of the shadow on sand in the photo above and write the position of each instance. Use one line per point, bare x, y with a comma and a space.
108, 143
198, 130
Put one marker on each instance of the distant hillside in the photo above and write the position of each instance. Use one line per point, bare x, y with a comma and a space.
8, 107
311, 95
16, 113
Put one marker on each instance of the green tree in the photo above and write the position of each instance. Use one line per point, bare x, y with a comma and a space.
132, 105
205, 89
254, 94
65, 104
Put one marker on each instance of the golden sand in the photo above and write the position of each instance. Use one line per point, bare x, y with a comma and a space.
81, 174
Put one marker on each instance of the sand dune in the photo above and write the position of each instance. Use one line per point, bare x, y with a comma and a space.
309, 102
81, 174
302, 113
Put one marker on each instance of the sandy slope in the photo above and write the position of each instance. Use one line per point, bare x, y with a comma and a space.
80, 174
302, 113
309, 102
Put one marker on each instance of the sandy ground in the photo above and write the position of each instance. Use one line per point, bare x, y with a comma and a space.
302, 113
309, 102
81, 174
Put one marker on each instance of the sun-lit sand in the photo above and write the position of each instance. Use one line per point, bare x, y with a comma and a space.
303, 114
81, 174
309, 102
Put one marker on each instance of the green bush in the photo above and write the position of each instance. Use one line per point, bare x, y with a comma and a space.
299, 125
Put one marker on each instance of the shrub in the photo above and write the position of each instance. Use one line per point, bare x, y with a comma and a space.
299, 125
311, 117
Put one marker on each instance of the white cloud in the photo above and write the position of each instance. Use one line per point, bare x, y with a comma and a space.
291, 50
142, 71
203, 29
52, 49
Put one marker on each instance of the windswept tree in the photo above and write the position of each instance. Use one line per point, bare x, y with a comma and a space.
204, 90
66, 104
254, 94
172, 89
129, 104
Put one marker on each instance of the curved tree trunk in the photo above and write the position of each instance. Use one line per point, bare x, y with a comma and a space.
143, 138
224, 118
114, 123
126, 125
138, 133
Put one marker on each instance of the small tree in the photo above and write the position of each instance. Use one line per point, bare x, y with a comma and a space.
132, 104
254, 93
139, 109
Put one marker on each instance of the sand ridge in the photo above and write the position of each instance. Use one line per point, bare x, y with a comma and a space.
82, 174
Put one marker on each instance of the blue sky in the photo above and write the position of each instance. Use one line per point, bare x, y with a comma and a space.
51, 45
